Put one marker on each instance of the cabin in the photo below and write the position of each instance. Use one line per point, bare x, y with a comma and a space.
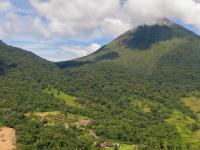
84, 122
106, 144
81, 123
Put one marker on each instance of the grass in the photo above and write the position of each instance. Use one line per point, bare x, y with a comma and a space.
128, 147
144, 105
198, 134
193, 102
49, 118
69, 100
184, 125
74, 118
124, 147
55, 117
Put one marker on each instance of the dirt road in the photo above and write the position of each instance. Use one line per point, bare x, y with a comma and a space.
7, 139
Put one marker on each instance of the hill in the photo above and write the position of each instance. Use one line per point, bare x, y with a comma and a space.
141, 91
24, 79
150, 68
151, 56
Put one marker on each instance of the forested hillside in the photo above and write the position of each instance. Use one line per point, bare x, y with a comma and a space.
156, 65
140, 91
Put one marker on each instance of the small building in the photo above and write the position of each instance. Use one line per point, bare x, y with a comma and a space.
84, 122
81, 123
106, 144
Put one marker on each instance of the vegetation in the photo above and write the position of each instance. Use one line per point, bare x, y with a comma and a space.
69, 100
139, 94
185, 126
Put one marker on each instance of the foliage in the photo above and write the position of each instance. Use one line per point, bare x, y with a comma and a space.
132, 96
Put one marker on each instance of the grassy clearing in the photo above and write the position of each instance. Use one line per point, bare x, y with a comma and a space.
70, 100
193, 102
125, 147
74, 118
49, 118
144, 105
128, 147
198, 133
184, 125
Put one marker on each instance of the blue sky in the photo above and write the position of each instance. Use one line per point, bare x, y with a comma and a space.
60, 30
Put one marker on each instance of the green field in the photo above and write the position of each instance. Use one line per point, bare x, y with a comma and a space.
69, 100
49, 118
74, 117
184, 126
144, 105
56, 117
194, 104
125, 147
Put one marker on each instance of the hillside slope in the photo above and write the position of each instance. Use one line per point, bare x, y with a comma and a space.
156, 65
140, 91
159, 55
24, 79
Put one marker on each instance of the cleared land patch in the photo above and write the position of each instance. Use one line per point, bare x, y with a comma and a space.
51, 118
69, 100
194, 104
7, 139
184, 126
124, 147
144, 105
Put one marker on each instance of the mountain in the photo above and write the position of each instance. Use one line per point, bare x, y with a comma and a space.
158, 55
141, 91
157, 65
2, 43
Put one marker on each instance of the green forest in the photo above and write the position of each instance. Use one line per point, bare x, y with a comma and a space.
139, 92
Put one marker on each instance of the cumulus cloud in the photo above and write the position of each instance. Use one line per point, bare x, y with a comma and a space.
82, 50
88, 19
40, 26
5, 5
75, 17
142, 11
96, 18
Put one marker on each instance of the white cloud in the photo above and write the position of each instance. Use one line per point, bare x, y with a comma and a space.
142, 11
38, 24
82, 50
88, 19
92, 18
114, 26
75, 17
5, 5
